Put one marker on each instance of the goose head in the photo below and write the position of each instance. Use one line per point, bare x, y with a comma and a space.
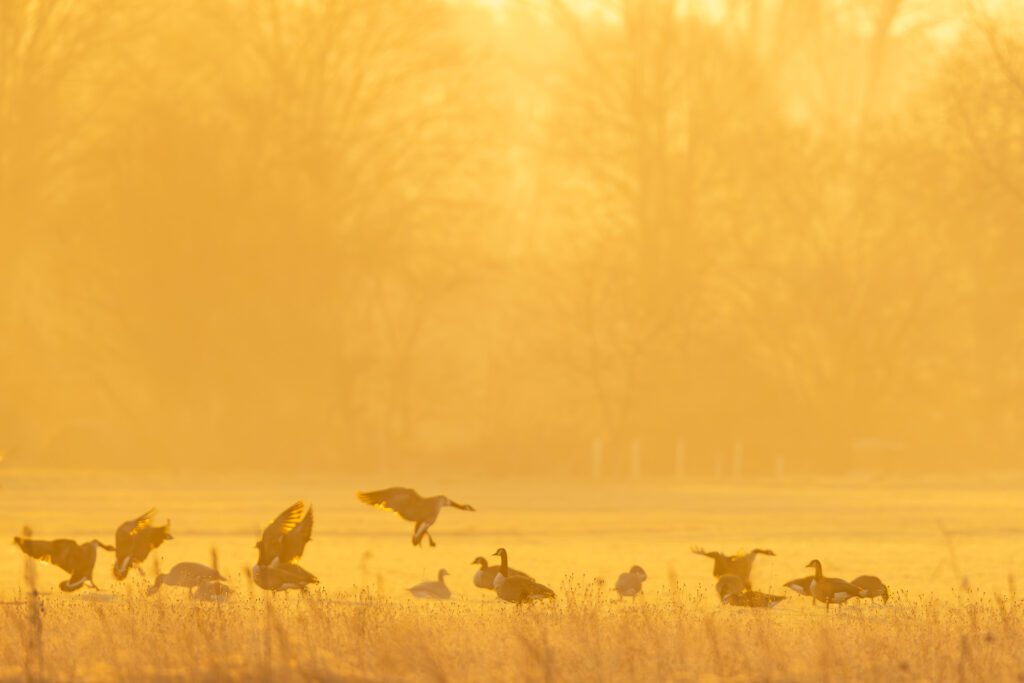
638, 571
480, 561
441, 574
445, 500
502, 553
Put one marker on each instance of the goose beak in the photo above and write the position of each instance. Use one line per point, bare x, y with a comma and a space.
810, 564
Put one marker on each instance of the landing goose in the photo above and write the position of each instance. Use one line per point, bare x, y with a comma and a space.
413, 507
135, 539
517, 589
631, 584
738, 565
77, 559
280, 548
285, 538
189, 575
484, 576
433, 590
829, 590
872, 587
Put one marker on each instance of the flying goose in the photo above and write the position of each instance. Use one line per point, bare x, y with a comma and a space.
285, 538
517, 589
282, 577
135, 539
77, 559
829, 590
189, 575
412, 506
434, 590
281, 546
749, 598
484, 576
631, 583
737, 565
803, 587
872, 587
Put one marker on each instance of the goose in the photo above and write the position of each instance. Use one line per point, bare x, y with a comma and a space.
77, 559
803, 587
484, 576
189, 575
212, 591
285, 538
737, 565
282, 577
434, 590
750, 598
281, 547
135, 539
829, 590
729, 585
517, 589
413, 507
631, 583
872, 587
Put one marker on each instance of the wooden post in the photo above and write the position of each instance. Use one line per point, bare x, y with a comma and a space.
597, 459
634, 459
680, 468
737, 459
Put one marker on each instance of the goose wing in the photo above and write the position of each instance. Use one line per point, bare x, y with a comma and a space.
272, 542
61, 552
294, 541
406, 502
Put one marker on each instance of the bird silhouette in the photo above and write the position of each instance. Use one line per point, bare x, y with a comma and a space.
413, 507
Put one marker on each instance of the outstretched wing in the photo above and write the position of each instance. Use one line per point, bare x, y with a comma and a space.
273, 536
406, 502
61, 552
700, 551
294, 542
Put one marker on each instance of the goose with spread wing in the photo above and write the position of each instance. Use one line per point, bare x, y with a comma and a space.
135, 539
77, 559
413, 507
738, 565
281, 547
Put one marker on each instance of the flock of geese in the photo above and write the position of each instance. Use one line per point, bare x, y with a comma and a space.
283, 541
734, 588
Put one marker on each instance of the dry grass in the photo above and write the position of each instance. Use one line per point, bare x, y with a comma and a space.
584, 636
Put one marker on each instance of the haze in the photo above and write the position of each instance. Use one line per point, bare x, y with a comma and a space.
538, 238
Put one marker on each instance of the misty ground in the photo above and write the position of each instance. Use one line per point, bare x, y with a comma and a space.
921, 538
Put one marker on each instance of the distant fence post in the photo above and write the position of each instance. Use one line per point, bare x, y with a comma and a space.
680, 469
597, 459
634, 459
737, 459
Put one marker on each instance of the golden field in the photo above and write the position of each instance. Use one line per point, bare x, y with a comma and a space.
360, 624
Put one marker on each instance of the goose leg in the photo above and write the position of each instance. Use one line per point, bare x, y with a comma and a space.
430, 538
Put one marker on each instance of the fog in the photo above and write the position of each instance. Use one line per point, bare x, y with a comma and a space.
538, 238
